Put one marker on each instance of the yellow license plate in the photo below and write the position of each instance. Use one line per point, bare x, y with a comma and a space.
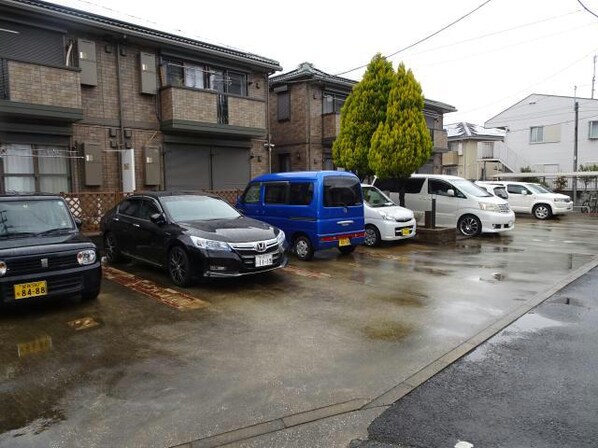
344, 242
406, 231
33, 289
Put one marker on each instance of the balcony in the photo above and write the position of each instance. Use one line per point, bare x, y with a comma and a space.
203, 111
331, 125
450, 158
440, 139
31, 91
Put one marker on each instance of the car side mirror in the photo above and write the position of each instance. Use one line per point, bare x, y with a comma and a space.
450, 192
158, 218
524, 192
78, 223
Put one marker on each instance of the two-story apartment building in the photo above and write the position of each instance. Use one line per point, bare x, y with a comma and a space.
475, 152
540, 129
92, 103
305, 119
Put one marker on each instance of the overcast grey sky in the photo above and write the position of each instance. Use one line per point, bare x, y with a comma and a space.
503, 52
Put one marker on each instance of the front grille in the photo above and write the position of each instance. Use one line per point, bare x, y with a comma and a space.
403, 219
248, 251
32, 265
56, 285
504, 208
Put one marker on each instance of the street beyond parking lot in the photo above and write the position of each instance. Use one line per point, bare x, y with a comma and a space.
135, 369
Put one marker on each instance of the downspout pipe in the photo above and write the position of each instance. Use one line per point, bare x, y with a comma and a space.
120, 110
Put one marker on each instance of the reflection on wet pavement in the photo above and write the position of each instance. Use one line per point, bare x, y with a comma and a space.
132, 370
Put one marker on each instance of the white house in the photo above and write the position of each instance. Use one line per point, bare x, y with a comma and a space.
540, 131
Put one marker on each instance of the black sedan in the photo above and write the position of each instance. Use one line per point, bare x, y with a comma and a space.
192, 236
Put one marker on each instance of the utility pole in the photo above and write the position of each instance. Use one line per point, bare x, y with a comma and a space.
594, 77
576, 109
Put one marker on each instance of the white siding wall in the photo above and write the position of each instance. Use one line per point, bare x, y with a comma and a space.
556, 114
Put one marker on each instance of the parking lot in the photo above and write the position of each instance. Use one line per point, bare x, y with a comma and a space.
151, 365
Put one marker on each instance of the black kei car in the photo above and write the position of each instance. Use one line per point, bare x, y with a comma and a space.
193, 236
42, 253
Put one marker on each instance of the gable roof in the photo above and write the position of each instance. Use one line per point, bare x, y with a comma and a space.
469, 131
49, 10
307, 72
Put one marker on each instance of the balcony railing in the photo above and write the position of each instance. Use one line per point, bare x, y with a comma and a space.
450, 158
331, 125
193, 109
33, 84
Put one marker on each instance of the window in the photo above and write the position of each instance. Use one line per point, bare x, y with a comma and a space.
252, 194
536, 134
35, 168
284, 106
202, 76
517, 189
333, 103
593, 129
276, 193
130, 207
301, 193
341, 191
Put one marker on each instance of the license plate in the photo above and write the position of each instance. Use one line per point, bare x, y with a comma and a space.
406, 231
33, 289
344, 242
263, 260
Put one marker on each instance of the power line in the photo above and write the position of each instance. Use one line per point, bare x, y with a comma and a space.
423, 39
587, 9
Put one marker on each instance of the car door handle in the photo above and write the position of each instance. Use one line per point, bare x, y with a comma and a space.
136, 225
345, 223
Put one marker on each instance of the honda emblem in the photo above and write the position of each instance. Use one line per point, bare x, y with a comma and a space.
260, 247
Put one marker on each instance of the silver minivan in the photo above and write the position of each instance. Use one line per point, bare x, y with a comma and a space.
459, 202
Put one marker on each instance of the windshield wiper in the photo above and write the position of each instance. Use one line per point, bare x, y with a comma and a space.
56, 230
18, 234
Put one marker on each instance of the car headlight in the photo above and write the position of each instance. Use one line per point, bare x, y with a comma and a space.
86, 257
203, 243
386, 217
280, 238
3, 268
562, 200
489, 206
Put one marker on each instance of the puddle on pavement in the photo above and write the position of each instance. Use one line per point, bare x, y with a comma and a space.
388, 331
404, 299
39, 345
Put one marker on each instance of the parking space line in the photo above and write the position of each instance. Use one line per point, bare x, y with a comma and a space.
175, 299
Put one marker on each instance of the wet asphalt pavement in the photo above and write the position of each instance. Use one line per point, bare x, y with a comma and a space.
532, 385
292, 358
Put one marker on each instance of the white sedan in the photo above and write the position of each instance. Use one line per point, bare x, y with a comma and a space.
385, 220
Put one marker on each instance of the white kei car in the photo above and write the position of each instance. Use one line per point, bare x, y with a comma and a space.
384, 220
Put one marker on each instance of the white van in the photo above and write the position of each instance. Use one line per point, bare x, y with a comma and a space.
459, 202
385, 220
528, 197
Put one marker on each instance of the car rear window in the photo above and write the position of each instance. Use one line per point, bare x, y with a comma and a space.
341, 191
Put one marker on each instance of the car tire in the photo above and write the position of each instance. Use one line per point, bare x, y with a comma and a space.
372, 236
89, 294
542, 211
346, 250
469, 225
303, 248
179, 266
111, 249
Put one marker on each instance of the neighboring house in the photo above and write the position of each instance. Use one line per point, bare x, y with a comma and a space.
474, 151
91, 103
305, 119
540, 130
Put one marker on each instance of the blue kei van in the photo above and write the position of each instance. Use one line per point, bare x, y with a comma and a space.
316, 209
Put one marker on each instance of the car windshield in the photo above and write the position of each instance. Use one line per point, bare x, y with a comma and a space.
470, 188
197, 208
538, 189
375, 198
32, 217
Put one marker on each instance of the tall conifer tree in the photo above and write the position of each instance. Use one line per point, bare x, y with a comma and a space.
402, 142
363, 111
